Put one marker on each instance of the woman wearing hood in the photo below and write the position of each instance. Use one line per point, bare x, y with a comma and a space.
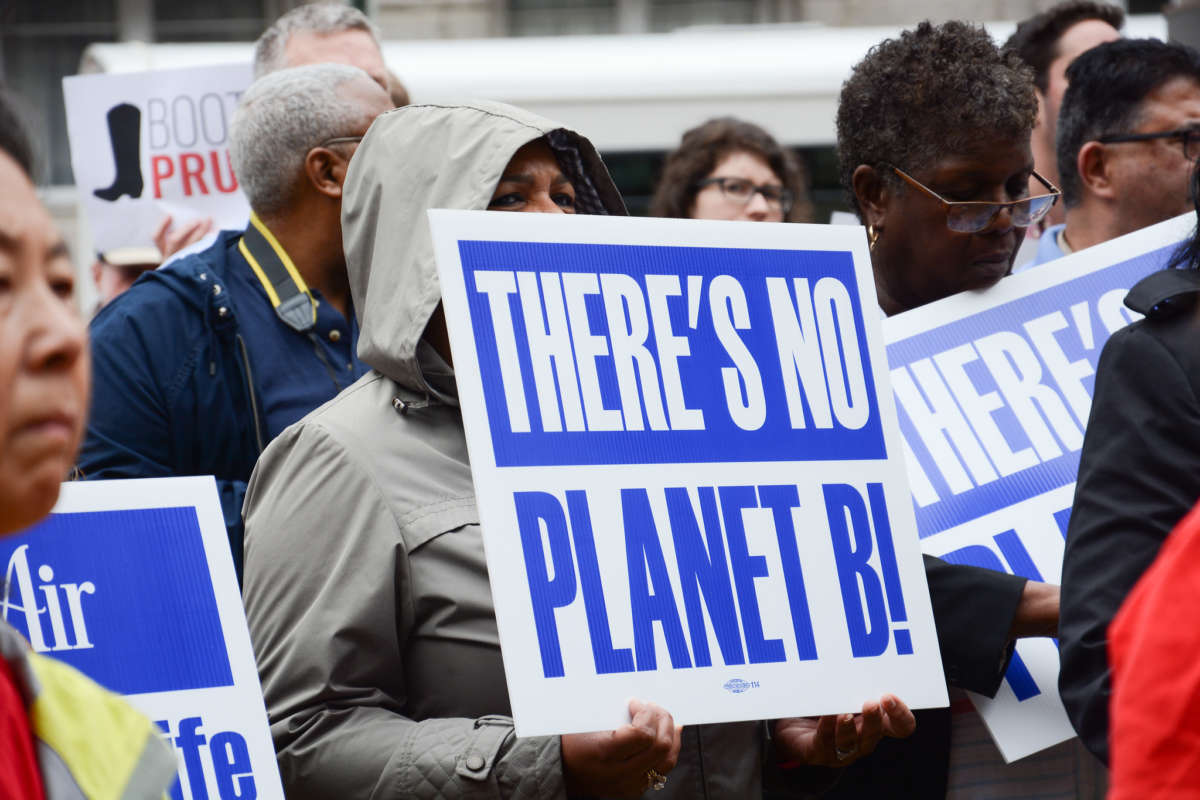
366, 586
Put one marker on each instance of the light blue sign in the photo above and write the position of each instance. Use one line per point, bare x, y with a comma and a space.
993, 393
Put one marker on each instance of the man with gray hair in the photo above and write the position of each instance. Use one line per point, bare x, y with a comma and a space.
204, 361
321, 33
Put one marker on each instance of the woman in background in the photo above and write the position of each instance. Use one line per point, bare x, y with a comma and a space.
731, 169
934, 149
894, 144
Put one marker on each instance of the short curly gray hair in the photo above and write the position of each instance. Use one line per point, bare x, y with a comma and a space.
284, 115
319, 18
932, 91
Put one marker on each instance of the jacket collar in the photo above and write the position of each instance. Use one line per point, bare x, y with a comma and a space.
1163, 293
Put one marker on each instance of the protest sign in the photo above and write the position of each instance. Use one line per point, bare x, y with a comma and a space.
148, 144
132, 583
686, 466
993, 391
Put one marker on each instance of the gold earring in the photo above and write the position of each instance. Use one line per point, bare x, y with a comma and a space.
872, 237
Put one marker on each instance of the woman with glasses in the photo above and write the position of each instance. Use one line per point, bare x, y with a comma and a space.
934, 147
933, 142
731, 169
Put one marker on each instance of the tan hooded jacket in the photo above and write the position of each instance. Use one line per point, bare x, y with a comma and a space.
366, 586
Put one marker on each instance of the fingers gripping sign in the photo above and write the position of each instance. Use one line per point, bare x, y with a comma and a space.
624, 762
170, 239
837, 740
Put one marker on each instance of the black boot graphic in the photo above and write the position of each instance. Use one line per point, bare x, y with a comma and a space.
125, 132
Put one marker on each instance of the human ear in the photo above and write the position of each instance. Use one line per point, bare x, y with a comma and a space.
872, 193
325, 170
1041, 108
1095, 170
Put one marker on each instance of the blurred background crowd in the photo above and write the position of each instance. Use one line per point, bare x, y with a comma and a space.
596, 64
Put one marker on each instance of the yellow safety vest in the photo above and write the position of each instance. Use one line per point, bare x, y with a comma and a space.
89, 741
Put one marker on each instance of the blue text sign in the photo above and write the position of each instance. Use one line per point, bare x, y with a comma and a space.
687, 468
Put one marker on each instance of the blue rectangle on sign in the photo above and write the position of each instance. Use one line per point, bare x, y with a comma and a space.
123, 596
994, 405
636, 354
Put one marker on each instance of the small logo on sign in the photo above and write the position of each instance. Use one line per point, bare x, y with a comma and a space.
737, 685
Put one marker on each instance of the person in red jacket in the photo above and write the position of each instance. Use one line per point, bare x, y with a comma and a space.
1154, 652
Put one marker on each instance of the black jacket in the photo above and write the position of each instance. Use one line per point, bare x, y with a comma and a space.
1139, 474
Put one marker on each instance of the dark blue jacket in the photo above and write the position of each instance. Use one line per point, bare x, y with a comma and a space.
173, 391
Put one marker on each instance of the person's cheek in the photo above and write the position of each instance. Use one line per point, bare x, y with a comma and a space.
83, 383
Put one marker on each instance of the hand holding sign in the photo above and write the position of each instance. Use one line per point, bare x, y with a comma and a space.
170, 239
618, 763
842, 739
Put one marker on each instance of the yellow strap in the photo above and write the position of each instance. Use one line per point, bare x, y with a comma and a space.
272, 295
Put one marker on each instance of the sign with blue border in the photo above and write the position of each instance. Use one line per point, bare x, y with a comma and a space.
993, 391
687, 467
132, 583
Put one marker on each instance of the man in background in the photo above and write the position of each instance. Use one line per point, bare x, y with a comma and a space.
204, 361
1049, 42
1128, 133
1128, 139
321, 33
115, 270
318, 33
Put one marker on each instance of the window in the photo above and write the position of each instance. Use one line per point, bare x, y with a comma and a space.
558, 17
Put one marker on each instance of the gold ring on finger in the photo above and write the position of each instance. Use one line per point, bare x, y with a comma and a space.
655, 780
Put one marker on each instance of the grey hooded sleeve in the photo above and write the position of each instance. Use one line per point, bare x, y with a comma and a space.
330, 616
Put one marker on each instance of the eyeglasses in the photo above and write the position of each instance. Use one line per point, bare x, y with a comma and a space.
1188, 137
742, 191
341, 140
974, 216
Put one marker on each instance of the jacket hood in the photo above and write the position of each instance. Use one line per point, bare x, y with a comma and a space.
420, 157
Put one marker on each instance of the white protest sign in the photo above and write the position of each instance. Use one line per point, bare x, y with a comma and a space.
132, 583
688, 474
148, 144
993, 391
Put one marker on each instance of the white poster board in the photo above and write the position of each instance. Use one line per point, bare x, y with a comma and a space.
132, 583
687, 468
148, 144
993, 391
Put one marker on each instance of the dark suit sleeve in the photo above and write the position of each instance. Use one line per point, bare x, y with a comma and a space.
1139, 473
973, 610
